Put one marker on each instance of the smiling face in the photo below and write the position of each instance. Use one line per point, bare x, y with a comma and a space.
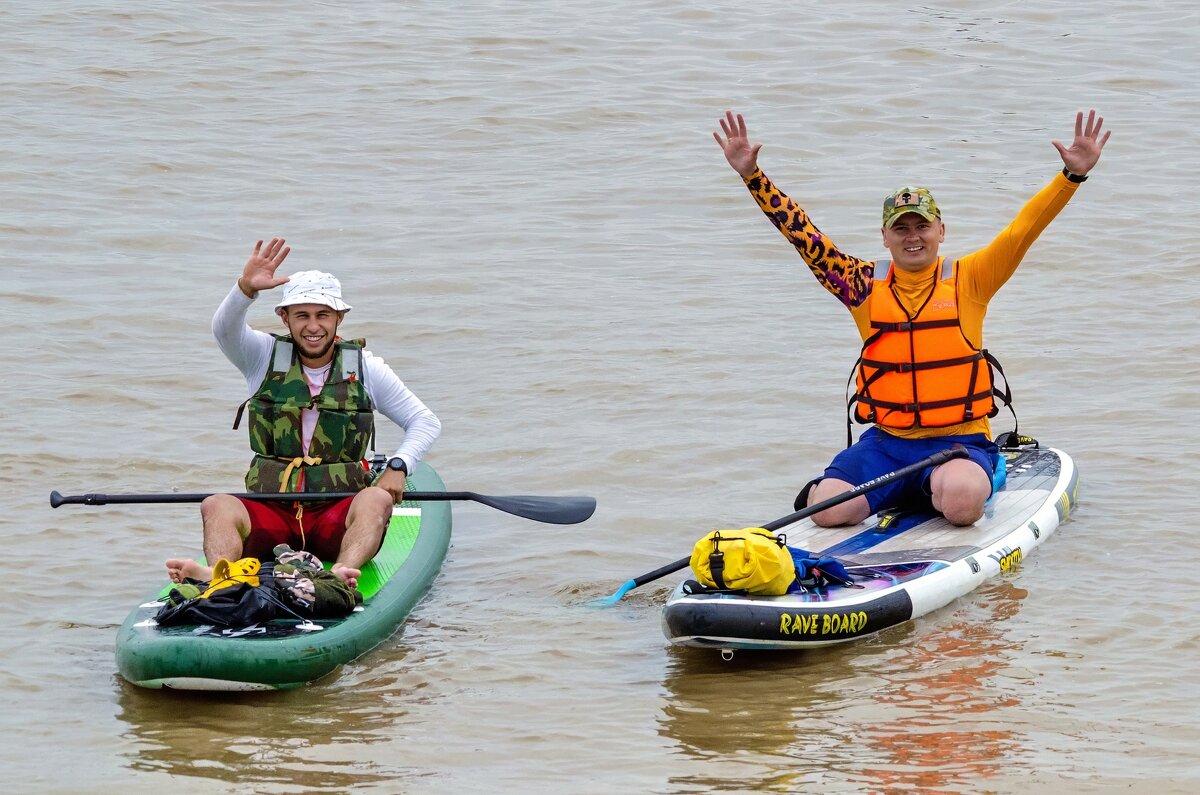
314, 329
913, 241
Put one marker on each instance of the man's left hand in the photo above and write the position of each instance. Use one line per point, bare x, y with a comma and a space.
1084, 151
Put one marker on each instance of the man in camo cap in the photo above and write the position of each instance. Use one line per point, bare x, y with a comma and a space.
909, 200
311, 423
923, 380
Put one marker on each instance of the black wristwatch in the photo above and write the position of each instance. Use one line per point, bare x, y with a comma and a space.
1074, 177
397, 464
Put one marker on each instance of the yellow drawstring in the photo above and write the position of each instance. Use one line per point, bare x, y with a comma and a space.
300, 522
287, 474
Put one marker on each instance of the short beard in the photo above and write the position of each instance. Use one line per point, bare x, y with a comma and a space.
329, 341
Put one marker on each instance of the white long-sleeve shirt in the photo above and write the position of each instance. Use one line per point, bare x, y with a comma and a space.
250, 352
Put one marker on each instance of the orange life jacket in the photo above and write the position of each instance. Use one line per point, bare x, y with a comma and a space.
921, 371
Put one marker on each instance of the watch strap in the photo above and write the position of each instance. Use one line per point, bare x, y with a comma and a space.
1076, 178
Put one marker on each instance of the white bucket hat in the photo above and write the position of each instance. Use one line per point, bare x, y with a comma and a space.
313, 287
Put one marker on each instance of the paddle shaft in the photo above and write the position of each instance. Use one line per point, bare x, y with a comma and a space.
937, 459
555, 510
57, 499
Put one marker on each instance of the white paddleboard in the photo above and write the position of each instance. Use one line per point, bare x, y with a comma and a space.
904, 565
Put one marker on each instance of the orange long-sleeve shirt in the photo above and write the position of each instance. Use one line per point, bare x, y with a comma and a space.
981, 273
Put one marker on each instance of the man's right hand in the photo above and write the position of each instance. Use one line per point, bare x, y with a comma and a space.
736, 144
393, 482
259, 273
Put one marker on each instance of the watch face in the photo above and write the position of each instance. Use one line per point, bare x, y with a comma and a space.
396, 464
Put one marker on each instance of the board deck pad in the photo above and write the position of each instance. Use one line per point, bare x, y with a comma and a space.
904, 565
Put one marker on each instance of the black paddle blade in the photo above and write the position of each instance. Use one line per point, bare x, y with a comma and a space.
554, 510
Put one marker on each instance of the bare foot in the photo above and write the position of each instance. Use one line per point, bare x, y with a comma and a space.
348, 574
179, 569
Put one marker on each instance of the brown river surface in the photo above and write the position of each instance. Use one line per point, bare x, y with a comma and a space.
528, 212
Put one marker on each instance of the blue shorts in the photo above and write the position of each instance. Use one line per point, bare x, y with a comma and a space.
878, 453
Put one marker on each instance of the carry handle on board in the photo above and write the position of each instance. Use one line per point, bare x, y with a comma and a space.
937, 459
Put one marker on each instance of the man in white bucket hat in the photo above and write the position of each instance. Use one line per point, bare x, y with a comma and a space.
311, 421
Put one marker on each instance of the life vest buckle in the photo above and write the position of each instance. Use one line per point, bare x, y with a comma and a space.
906, 326
906, 367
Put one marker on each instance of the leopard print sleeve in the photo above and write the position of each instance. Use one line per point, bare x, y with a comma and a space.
848, 278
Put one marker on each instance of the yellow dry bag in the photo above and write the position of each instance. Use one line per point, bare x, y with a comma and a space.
226, 574
753, 560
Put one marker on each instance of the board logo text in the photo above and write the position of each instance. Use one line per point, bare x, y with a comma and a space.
822, 624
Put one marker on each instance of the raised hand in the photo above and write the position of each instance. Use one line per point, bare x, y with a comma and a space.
736, 144
259, 272
1084, 151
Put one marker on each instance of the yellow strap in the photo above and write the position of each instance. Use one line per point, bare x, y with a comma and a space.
297, 461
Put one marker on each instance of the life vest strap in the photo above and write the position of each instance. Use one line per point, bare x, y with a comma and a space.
1006, 394
237, 418
906, 327
914, 325
281, 356
884, 266
908, 367
925, 405
351, 364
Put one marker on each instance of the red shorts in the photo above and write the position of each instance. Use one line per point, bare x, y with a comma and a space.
317, 527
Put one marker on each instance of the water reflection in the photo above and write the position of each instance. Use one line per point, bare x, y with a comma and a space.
920, 707
949, 692
319, 737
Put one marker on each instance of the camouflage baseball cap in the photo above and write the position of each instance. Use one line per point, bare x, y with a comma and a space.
910, 200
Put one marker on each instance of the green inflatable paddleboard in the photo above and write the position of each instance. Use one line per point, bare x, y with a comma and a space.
288, 653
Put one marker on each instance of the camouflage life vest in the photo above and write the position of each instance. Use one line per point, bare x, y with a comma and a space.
343, 435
